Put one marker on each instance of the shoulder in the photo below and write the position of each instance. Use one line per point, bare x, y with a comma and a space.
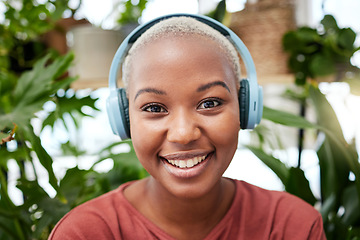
95, 218
280, 212
277, 199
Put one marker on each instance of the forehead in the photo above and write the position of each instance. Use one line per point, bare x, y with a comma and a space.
180, 58
186, 38
190, 46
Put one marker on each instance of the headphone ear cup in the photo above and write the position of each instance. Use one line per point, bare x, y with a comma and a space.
244, 92
124, 111
118, 113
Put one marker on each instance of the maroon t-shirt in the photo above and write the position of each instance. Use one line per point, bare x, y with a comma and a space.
254, 214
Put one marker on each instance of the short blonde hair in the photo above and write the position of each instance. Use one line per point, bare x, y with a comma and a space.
181, 26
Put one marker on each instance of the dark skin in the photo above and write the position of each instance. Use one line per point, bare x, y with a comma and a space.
180, 90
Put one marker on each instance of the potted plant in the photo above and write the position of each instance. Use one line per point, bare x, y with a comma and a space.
31, 76
315, 53
322, 53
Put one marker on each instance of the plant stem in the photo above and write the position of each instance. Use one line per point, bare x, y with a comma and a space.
301, 133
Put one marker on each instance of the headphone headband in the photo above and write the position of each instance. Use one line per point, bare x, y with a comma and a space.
255, 91
137, 32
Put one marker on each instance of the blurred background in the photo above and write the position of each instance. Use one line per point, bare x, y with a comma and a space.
57, 149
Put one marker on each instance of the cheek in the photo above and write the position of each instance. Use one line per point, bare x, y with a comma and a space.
225, 131
228, 124
226, 134
145, 138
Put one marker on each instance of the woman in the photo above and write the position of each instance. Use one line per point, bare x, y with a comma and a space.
182, 80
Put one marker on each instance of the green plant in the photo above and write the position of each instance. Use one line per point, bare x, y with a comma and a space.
312, 55
25, 88
219, 12
132, 11
320, 52
25, 21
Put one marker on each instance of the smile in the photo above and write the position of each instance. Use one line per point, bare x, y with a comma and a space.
189, 163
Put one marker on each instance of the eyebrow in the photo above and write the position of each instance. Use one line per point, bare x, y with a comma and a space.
213, 84
149, 90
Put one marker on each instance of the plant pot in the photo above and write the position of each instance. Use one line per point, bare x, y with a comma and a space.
261, 26
56, 38
94, 49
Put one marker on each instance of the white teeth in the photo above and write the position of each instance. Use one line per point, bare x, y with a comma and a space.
187, 163
182, 164
196, 160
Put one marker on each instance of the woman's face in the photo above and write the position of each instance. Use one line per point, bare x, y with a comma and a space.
184, 113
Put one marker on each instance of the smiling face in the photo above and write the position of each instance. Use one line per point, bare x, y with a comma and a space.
184, 113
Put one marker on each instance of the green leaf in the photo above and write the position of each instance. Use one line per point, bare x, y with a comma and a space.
219, 12
131, 12
298, 185
126, 165
7, 83
69, 149
279, 168
329, 23
72, 105
33, 89
10, 218
19, 153
322, 65
304, 40
351, 205
336, 156
347, 38
73, 185
44, 158
44, 211
63, 84
331, 178
35, 85
21, 115
325, 114
328, 206
286, 119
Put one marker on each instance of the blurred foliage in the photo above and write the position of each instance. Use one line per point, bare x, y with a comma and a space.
31, 78
131, 11
338, 161
317, 53
25, 22
219, 12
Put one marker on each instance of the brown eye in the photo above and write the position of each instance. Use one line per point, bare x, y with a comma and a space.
154, 108
209, 103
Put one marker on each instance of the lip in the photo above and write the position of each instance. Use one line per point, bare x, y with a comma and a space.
187, 172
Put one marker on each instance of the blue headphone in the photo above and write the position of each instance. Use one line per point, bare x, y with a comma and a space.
250, 93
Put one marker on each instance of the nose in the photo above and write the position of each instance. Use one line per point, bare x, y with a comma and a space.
183, 128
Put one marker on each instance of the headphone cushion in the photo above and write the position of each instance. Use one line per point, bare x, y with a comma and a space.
244, 103
124, 110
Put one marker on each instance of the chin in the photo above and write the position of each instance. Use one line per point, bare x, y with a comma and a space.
192, 190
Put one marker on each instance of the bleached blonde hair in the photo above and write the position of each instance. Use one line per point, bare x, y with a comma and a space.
181, 26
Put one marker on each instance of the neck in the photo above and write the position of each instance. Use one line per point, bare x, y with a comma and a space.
196, 216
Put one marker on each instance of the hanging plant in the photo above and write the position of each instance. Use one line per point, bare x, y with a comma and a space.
320, 52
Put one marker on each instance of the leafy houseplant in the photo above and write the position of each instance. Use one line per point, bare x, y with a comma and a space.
30, 78
25, 21
132, 11
317, 53
19, 104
